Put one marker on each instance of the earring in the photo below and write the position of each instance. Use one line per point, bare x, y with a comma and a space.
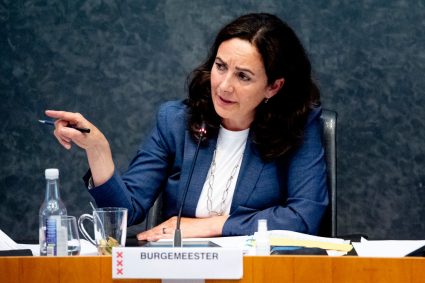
267, 100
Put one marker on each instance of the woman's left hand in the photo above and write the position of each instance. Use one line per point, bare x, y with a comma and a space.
190, 228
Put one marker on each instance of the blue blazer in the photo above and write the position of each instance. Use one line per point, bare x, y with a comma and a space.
290, 193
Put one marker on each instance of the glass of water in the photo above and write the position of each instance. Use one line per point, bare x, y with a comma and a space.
73, 239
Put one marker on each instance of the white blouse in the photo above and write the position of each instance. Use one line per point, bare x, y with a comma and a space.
218, 189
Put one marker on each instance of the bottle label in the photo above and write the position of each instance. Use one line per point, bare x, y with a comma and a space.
51, 236
56, 237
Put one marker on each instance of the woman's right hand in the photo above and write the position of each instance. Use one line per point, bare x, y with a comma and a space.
66, 135
95, 143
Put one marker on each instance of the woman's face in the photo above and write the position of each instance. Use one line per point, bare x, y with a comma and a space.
239, 83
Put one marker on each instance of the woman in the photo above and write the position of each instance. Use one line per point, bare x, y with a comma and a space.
262, 157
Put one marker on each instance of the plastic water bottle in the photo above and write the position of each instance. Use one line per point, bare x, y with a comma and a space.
262, 242
52, 235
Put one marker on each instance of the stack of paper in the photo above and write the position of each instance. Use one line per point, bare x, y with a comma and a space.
334, 246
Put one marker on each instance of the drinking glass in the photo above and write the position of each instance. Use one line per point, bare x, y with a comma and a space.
110, 228
73, 239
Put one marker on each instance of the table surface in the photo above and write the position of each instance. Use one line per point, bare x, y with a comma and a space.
288, 269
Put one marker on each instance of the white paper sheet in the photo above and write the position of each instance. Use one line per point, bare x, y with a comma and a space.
6, 243
387, 248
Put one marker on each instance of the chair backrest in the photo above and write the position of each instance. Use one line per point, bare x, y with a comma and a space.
155, 214
328, 227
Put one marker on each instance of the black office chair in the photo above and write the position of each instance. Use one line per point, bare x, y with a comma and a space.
328, 225
155, 214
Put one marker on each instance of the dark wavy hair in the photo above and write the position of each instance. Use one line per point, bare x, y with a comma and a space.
278, 126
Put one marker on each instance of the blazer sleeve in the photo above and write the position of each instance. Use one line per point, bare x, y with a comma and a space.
306, 191
140, 185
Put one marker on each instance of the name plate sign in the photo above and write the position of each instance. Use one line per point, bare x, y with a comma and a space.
177, 263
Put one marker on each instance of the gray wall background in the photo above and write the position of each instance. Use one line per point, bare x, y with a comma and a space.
116, 61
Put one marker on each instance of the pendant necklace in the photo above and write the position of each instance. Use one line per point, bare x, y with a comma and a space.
211, 212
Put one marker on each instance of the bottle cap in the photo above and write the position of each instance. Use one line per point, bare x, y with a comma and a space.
262, 225
51, 173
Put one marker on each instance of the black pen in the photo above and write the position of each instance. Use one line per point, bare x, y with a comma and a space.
52, 123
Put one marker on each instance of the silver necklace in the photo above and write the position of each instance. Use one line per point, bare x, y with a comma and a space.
211, 212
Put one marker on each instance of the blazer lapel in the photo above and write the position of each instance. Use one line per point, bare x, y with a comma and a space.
200, 172
251, 167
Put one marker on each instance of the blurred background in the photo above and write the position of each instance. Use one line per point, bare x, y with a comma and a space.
117, 61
